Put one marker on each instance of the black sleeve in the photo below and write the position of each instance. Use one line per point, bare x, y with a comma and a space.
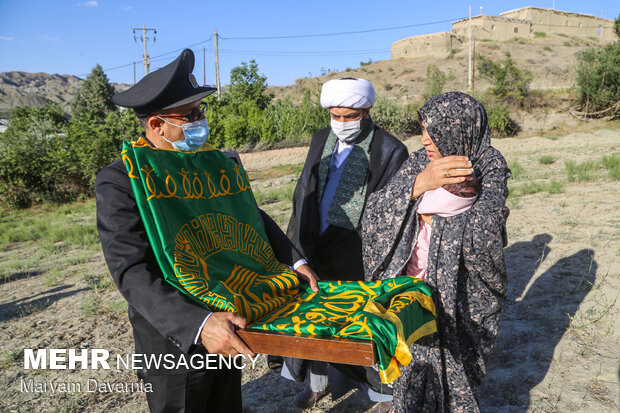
283, 248
133, 265
387, 156
399, 156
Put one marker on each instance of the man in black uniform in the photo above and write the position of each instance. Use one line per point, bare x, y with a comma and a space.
168, 104
345, 164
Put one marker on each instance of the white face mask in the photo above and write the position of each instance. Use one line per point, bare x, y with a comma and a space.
347, 131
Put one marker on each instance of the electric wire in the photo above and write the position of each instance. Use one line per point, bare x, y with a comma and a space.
297, 36
310, 54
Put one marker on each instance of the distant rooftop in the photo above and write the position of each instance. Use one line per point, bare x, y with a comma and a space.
546, 9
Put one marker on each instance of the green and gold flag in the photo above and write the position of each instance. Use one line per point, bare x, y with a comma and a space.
205, 230
392, 313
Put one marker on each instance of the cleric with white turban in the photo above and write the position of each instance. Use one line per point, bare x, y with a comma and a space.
348, 92
346, 162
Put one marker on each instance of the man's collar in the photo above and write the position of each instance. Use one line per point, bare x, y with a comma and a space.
143, 136
143, 141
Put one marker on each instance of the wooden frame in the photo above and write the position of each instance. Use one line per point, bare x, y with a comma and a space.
333, 350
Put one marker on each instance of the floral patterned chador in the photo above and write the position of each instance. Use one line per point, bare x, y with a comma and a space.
466, 270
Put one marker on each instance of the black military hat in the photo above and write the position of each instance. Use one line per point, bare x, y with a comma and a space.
168, 87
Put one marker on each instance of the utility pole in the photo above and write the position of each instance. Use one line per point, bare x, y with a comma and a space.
134, 73
473, 76
469, 75
145, 57
204, 68
217, 67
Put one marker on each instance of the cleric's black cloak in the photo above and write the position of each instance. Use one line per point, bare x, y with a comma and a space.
337, 254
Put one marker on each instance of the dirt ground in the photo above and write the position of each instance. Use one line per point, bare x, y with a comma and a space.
558, 348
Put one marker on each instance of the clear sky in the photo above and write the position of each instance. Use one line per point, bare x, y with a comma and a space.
71, 37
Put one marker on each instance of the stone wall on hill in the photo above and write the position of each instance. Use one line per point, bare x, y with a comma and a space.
526, 22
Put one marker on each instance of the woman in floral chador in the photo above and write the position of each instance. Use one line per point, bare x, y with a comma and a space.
465, 265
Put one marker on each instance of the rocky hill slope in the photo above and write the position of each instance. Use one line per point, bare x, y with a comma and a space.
38, 89
552, 60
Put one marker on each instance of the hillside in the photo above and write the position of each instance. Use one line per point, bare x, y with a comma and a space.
37, 89
551, 59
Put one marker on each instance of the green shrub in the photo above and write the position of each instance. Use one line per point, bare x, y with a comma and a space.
598, 77
546, 159
612, 163
500, 122
394, 118
293, 123
242, 117
90, 305
582, 172
548, 49
555, 187
235, 131
44, 157
516, 169
270, 196
591, 170
540, 34
435, 81
27, 154
529, 188
509, 82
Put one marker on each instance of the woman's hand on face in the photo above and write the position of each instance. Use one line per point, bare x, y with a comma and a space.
446, 170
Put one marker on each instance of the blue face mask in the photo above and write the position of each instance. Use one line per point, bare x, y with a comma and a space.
196, 134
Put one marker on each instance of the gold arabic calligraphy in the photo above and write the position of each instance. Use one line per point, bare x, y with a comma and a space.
192, 184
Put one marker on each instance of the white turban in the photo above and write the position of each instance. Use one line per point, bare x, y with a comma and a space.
348, 93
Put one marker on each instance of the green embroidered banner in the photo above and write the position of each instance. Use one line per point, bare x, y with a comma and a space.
392, 313
205, 230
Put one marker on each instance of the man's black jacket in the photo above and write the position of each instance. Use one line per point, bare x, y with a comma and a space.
164, 320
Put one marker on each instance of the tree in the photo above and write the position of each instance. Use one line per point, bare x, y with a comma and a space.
94, 99
617, 26
509, 82
26, 149
247, 84
598, 77
436, 79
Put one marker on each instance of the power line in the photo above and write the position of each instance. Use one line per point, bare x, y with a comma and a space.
162, 56
157, 58
297, 36
305, 53
188, 47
